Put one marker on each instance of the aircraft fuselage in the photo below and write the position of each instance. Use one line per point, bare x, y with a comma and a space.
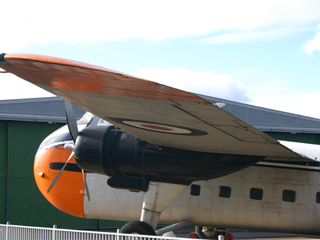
268, 197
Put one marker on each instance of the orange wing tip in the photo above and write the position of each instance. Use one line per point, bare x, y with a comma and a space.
55, 60
23, 65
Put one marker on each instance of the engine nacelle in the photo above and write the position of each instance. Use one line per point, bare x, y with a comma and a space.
108, 150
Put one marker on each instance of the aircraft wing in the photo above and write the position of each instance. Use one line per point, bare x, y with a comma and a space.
152, 112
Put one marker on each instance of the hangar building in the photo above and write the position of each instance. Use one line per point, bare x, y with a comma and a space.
25, 123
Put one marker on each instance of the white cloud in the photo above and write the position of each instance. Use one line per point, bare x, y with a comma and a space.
36, 21
312, 45
13, 87
278, 95
253, 72
263, 35
208, 83
274, 87
299, 103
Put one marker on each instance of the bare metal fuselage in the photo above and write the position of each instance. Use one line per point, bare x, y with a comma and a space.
271, 213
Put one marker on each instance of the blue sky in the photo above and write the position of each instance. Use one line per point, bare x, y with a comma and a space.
265, 53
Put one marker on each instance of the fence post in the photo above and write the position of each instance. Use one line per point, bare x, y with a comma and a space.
220, 237
54, 232
118, 232
7, 230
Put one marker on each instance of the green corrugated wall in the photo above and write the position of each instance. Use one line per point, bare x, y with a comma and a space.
3, 170
297, 137
21, 203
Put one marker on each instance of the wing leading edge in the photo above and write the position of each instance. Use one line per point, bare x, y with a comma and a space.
153, 112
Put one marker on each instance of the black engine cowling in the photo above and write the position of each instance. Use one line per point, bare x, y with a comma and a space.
108, 150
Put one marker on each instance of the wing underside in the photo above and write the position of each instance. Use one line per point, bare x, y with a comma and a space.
153, 112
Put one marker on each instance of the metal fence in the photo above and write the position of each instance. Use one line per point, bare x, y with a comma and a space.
14, 232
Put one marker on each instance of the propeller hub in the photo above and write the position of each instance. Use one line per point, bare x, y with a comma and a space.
69, 146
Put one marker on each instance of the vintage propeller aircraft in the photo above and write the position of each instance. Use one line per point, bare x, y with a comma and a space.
153, 154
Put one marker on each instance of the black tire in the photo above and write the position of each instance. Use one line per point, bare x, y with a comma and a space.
201, 235
137, 227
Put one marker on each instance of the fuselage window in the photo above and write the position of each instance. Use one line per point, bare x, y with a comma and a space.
195, 190
318, 197
225, 192
256, 193
289, 196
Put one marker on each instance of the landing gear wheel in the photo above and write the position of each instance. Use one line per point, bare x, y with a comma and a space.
209, 232
137, 227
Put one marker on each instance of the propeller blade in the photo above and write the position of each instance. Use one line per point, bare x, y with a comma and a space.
59, 174
93, 122
86, 185
73, 130
72, 121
